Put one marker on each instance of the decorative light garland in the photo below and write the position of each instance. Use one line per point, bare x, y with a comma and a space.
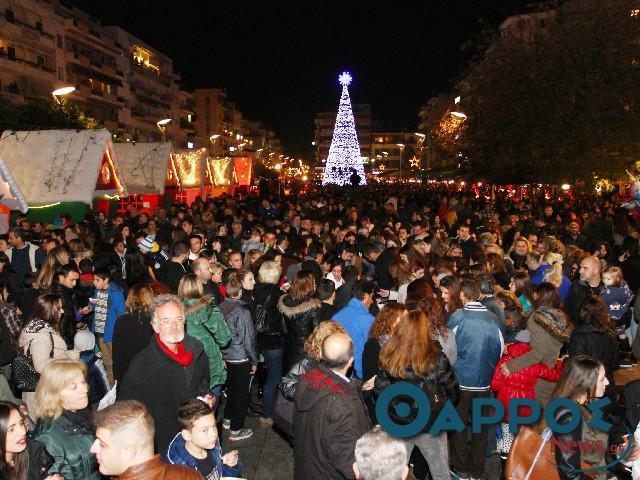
344, 153
189, 167
37, 207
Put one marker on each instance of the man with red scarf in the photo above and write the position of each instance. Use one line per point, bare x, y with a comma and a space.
173, 368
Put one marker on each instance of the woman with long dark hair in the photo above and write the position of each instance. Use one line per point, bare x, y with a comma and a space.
594, 335
583, 381
41, 337
21, 458
301, 313
450, 292
411, 355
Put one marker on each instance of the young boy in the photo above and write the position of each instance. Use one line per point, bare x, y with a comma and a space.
241, 358
197, 445
109, 304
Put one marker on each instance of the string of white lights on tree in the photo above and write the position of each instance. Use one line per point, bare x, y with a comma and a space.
344, 153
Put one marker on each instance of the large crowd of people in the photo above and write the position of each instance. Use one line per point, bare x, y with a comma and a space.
130, 341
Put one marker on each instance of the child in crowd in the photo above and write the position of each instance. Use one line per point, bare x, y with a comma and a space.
109, 304
85, 342
519, 384
197, 445
618, 296
241, 358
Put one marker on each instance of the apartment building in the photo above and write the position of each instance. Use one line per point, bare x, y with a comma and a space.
392, 150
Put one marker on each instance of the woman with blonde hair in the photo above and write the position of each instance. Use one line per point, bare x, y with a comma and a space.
133, 329
270, 330
65, 427
57, 257
205, 322
41, 338
312, 356
412, 356
554, 274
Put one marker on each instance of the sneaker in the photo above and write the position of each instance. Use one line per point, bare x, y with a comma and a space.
266, 422
458, 476
242, 434
226, 424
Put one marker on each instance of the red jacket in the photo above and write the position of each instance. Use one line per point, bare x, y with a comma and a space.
520, 384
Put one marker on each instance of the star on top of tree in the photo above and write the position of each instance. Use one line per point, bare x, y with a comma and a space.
415, 162
344, 79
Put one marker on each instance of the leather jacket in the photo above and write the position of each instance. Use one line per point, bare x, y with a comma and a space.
155, 469
290, 380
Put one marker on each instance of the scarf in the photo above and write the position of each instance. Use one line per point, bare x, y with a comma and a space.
182, 357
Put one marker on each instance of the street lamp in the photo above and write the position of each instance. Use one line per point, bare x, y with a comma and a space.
162, 126
401, 145
460, 115
61, 92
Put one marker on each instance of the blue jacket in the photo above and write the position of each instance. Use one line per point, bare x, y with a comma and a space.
537, 276
177, 454
115, 308
479, 343
356, 320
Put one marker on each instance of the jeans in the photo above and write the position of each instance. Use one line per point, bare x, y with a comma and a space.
435, 451
217, 392
238, 378
273, 361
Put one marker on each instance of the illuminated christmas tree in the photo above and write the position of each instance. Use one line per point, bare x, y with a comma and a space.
344, 164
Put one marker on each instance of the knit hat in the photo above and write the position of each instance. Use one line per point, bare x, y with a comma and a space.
84, 340
148, 245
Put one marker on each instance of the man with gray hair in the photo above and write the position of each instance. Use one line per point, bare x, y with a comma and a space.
379, 456
172, 369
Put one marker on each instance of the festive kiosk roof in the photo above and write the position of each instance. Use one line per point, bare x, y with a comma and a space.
143, 166
50, 166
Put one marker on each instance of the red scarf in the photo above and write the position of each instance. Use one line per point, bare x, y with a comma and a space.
182, 357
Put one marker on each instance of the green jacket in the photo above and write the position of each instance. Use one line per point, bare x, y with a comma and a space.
68, 443
206, 323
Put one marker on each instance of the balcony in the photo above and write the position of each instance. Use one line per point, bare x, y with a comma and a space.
27, 63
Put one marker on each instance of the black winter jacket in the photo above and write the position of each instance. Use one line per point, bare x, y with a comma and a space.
290, 380
329, 418
267, 295
597, 344
301, 318
440, 382
163, 385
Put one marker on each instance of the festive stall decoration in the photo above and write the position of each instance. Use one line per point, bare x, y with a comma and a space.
219, 171
51, 166
186, 169
143, 166
242, 170
108, 183
344, 162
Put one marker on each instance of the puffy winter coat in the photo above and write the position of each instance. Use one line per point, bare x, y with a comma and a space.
301, 318
585, 340
521, 384
206, 323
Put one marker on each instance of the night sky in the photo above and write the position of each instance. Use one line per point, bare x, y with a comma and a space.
279, 60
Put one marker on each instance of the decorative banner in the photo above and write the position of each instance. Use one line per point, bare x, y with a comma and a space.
219, 171
242, 167
142, 166
186, 169
55, 165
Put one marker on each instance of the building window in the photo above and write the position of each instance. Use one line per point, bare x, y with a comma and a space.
39, 26
11, 53
60, 74
59, 41
8, 14
40, 61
